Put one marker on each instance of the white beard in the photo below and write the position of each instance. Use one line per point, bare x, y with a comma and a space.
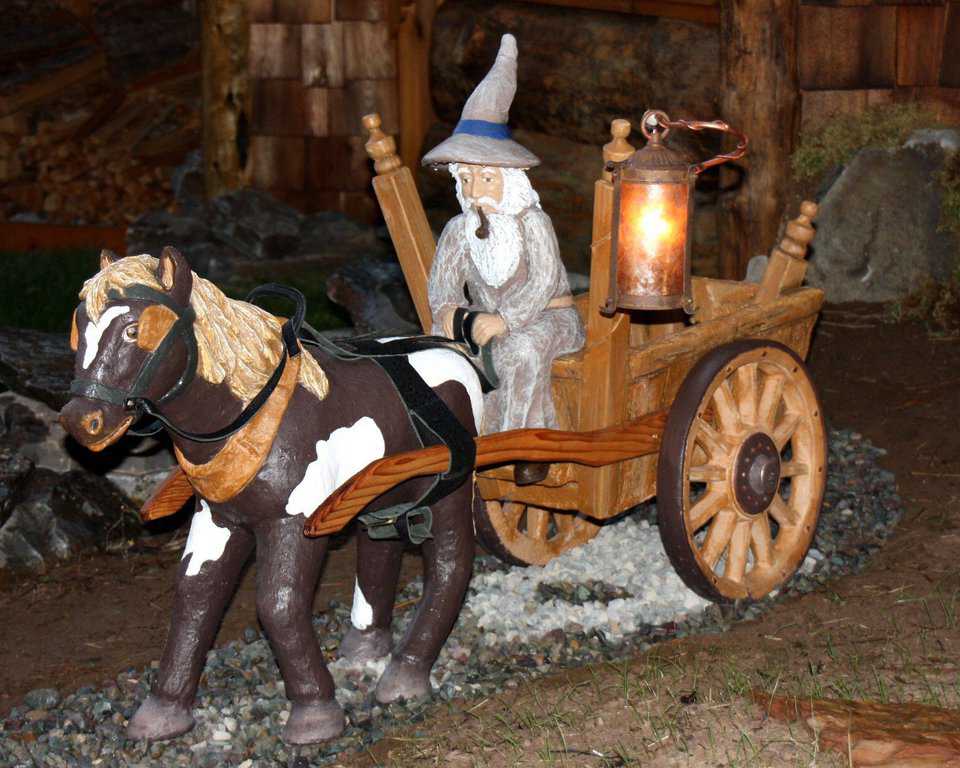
498, 256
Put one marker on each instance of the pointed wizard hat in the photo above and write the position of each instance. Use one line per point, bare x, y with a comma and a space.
482, 136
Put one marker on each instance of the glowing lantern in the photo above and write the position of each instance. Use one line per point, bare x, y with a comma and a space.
652, 211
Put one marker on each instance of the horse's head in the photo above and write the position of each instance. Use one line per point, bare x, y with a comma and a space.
135, 341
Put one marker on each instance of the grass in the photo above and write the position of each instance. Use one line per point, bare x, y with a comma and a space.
837, 141
39, 289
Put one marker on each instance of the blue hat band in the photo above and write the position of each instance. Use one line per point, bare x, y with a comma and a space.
483, 128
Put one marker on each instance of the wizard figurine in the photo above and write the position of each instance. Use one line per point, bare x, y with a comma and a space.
503, 249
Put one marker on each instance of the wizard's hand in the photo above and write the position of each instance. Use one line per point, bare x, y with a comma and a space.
486, 327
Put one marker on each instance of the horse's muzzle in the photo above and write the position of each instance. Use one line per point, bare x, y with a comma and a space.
94, 425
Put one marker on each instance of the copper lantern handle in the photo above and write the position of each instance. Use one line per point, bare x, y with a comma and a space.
663, 122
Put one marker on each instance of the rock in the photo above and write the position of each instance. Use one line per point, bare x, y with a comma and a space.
878, 236
32, 430
375, 295
51, 516
42, 698
248, 225
948, 139
37, 364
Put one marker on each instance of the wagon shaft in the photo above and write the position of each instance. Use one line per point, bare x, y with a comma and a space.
595, 449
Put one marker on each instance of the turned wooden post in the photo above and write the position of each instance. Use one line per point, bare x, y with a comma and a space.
788, 263
224, 43
603, 393
758, 54
403, 212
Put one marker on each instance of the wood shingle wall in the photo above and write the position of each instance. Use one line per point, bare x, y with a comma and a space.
854, 54
316, 67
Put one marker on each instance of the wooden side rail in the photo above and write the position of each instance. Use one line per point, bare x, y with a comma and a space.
595, 449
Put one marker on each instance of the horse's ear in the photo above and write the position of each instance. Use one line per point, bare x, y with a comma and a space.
174, 275
74, 333
107, 257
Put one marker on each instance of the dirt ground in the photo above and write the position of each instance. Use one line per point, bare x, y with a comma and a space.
890, 633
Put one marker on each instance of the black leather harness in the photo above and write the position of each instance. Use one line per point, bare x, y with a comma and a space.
430, 417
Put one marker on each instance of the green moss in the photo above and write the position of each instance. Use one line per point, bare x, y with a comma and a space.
39, 288
950, 205
837, 141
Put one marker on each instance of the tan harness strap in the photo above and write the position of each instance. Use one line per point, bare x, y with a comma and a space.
241, 458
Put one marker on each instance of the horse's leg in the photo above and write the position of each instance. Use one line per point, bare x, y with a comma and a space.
288, 566
447, 563
378, 570
204, 585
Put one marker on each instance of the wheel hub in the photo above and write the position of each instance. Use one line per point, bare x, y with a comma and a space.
757, 473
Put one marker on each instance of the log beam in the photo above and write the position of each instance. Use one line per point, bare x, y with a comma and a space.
224, 41
758, 54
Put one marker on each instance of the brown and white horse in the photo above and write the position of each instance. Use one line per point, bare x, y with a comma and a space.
154, 329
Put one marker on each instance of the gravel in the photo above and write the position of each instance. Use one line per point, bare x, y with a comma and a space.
517, 623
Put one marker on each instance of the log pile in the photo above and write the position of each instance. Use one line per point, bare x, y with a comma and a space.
80, 144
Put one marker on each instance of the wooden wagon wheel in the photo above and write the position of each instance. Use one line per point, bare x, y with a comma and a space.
742, 470
521, 534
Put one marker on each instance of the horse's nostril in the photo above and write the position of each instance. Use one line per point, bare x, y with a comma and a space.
93, 422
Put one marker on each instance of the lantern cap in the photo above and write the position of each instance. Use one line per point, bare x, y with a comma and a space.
656, 155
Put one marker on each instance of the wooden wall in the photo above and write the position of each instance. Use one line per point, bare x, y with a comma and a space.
857, 53
316, 67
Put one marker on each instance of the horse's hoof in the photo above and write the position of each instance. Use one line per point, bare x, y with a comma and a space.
157, 720
358, 646
311, 723
403, 681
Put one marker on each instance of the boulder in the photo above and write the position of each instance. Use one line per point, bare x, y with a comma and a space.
374, 294
47, 516
37, 364
247, 226
878, 230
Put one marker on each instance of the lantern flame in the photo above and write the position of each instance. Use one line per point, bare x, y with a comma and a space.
654, 227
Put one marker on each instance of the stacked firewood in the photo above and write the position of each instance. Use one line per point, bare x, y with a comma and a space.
79, 145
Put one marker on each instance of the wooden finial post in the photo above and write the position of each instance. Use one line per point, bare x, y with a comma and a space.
619, 149
788, 265
403, 212
381, 147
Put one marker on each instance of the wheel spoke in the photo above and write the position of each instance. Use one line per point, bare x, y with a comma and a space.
710, 439
718, 536
761, 542
782, 513
737, 556
746, 391
770, 399
512, 511
704, 510
538, 523
785, 429
726, 407
707, 473
793, 469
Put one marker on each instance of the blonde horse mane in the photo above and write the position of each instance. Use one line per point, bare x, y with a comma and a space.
237, 343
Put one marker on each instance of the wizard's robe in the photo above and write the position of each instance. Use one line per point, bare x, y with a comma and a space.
535, 334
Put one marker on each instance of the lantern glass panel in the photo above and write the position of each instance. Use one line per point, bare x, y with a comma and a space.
652, 242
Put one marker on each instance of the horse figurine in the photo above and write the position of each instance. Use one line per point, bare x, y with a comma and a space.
152, 331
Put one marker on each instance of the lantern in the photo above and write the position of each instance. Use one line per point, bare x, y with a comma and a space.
652, 212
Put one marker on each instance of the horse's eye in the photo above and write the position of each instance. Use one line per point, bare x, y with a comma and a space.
130, 332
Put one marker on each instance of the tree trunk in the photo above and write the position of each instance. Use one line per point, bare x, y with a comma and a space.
578, 69
225, 36
760, 98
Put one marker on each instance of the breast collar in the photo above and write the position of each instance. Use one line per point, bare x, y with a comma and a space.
134, 399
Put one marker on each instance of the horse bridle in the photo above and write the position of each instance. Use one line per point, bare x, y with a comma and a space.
134, 399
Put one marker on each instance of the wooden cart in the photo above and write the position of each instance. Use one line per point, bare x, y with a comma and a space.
717, 417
